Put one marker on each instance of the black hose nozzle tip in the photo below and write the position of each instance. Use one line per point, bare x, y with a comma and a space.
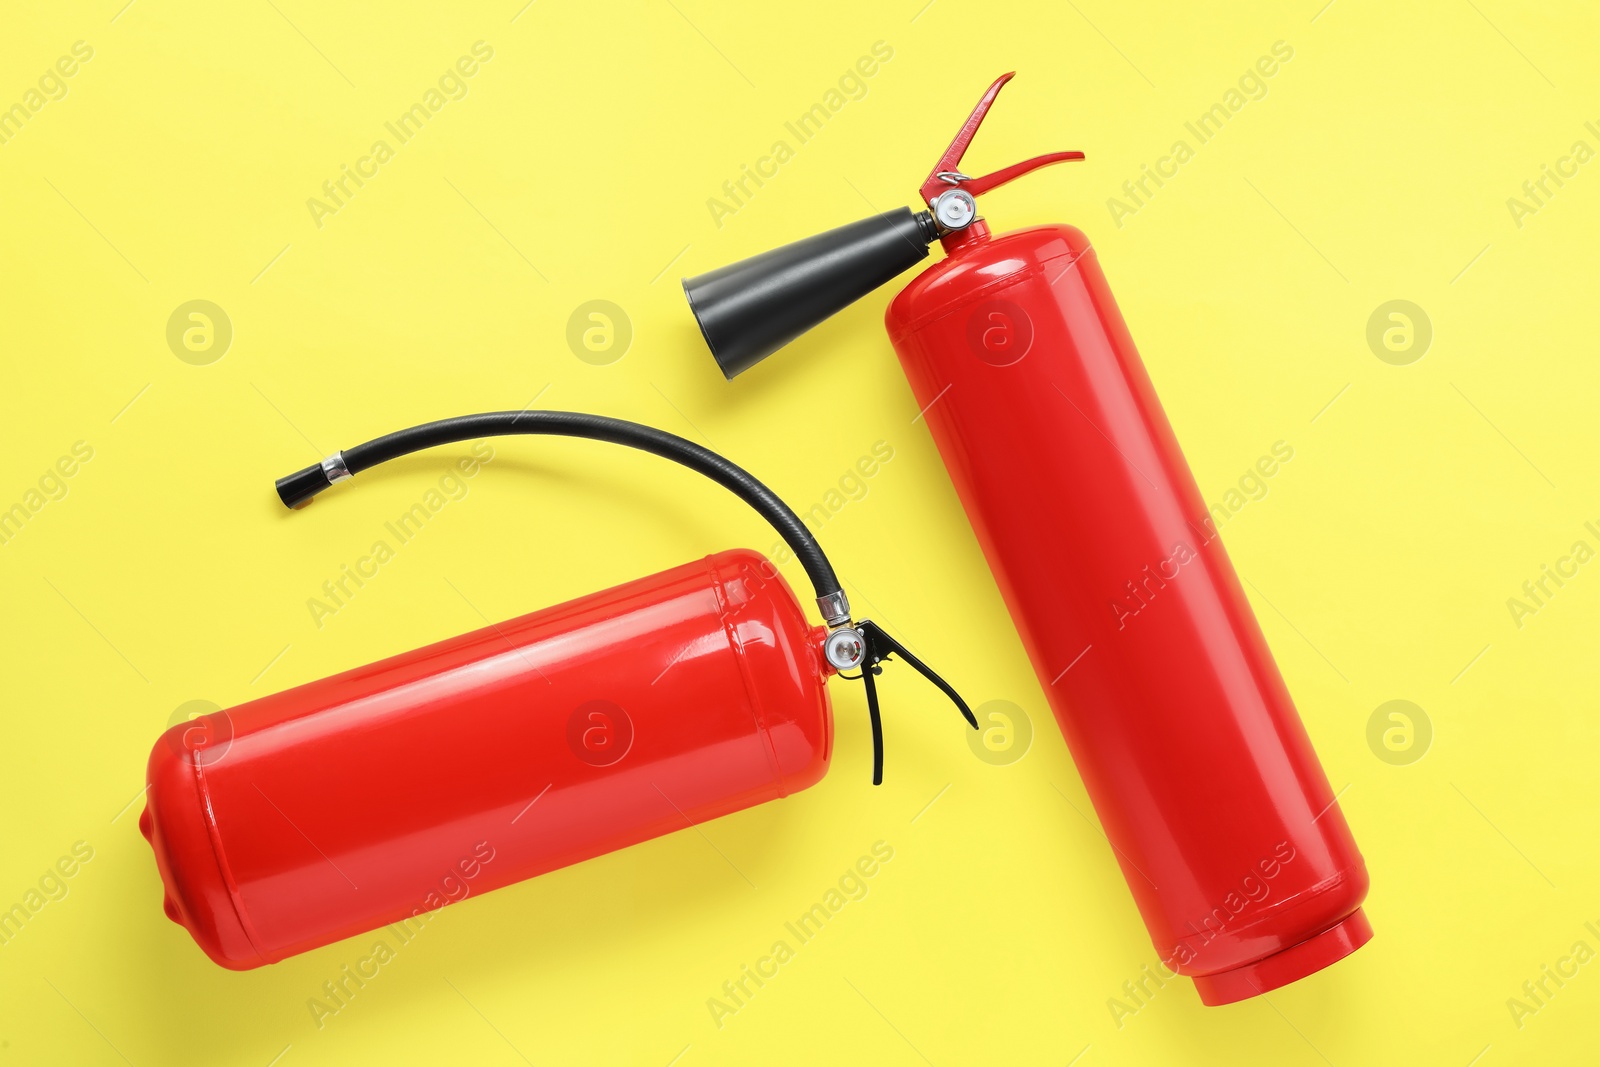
297, 489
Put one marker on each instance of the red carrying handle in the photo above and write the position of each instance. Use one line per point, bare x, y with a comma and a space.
946, 173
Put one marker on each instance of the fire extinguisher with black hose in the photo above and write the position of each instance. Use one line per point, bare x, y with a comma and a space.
1202, 774
378, 795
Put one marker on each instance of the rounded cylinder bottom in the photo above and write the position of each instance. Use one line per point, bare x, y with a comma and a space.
1290, 965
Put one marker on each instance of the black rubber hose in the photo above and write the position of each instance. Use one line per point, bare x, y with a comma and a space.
299, 487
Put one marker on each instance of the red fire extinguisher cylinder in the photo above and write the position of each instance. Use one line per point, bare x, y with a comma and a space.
1141, 636
380, 794
1139, 631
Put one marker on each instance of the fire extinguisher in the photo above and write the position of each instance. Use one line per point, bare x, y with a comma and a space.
379, 795
1202, 774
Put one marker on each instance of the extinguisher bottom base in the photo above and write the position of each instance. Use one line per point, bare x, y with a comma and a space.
1290, 965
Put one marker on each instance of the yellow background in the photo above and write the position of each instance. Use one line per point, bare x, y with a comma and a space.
578, 167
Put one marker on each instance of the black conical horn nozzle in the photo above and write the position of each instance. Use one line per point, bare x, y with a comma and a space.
750, 309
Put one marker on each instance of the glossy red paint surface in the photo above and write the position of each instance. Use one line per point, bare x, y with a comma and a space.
1187, 740
377, 795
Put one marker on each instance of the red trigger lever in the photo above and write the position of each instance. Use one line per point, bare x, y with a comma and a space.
947, 174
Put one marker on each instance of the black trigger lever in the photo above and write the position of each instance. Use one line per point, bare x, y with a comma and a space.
877, 646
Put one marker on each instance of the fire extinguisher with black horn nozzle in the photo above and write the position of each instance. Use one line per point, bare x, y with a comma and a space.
1203, 776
